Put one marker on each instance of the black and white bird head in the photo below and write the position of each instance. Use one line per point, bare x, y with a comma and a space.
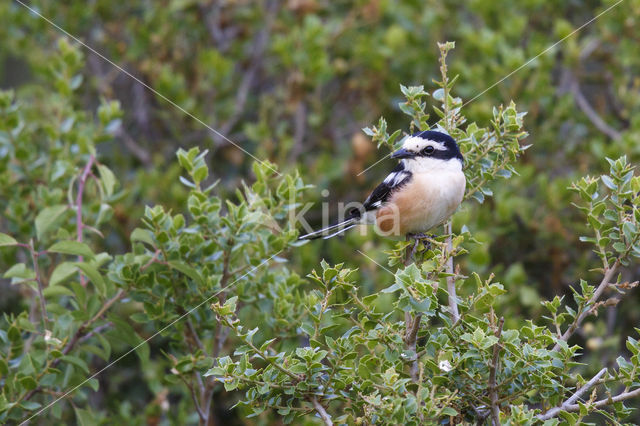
429, 151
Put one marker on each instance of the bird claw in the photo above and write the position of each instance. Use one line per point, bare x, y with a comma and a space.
417, 238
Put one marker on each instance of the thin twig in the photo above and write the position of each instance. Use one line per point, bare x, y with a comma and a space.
410, 339
79, 337
36, 269
607, 401
604, 284
591, 113
79, 225
493, 389
451, 280
151, 261
192, 391
259, 45
326, 418
95, 331
79, 334
571, 401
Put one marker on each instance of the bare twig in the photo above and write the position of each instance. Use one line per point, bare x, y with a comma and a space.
259, 45
604, 284
493, 388
451, 280
196, 403
410, 339
571, 401
36, 270
412, 324
79, 225
95, 331
79, 337
607, 401
326, 418
80, 333
140, 153
151, 261
591, 113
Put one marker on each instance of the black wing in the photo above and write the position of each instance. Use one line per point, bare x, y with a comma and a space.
381, 194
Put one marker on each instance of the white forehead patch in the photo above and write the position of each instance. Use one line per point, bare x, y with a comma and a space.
417, 144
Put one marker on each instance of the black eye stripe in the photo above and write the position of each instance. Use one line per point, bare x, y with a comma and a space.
429, 149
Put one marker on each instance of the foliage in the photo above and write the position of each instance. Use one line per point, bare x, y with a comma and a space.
106, 241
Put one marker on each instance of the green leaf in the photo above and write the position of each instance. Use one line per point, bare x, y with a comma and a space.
142, 235
30, 405
20, 270
74, 360
608, 182
62, 272
28, 382
6, 240
47, 218
92, 273
75, 248
84, 417
108, 179
188, 271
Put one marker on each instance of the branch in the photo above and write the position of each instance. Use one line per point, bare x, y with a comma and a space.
493, 389
326, 418
79, 336
410, 339
255, 62
143, 156
451, 280
194, 397
591, 113
43, 307
604, 284
571, 401
79, 224
608, 401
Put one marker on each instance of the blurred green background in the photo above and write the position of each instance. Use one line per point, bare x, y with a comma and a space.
295, 81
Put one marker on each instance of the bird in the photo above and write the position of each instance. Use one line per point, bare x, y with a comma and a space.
420, 193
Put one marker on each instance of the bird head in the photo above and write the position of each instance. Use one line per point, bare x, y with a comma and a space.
429, 150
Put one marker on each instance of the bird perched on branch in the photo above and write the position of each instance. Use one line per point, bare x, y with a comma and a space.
421, 192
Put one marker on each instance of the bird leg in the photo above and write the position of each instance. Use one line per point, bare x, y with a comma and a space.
417, 237
422, 236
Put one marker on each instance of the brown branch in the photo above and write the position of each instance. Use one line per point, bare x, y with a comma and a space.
36, 269
259, 46
151, 261
607, 401
201, 414
493, 388
410, 339
326, 418
604, 284
78, 337
79, 225
591, 113
571, 401
95, 331
143, 156
79, 334
451, 280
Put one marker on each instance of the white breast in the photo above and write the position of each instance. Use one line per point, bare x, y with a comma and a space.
427, 200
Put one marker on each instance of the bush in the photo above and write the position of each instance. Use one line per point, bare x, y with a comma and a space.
90, 274
429, 347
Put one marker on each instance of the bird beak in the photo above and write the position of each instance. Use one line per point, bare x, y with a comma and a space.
402, 153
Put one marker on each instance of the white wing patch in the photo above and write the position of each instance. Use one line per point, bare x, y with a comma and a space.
395, 178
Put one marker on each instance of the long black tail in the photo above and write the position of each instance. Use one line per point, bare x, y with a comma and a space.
332, 231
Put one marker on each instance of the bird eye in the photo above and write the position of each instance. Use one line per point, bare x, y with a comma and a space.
428, 150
